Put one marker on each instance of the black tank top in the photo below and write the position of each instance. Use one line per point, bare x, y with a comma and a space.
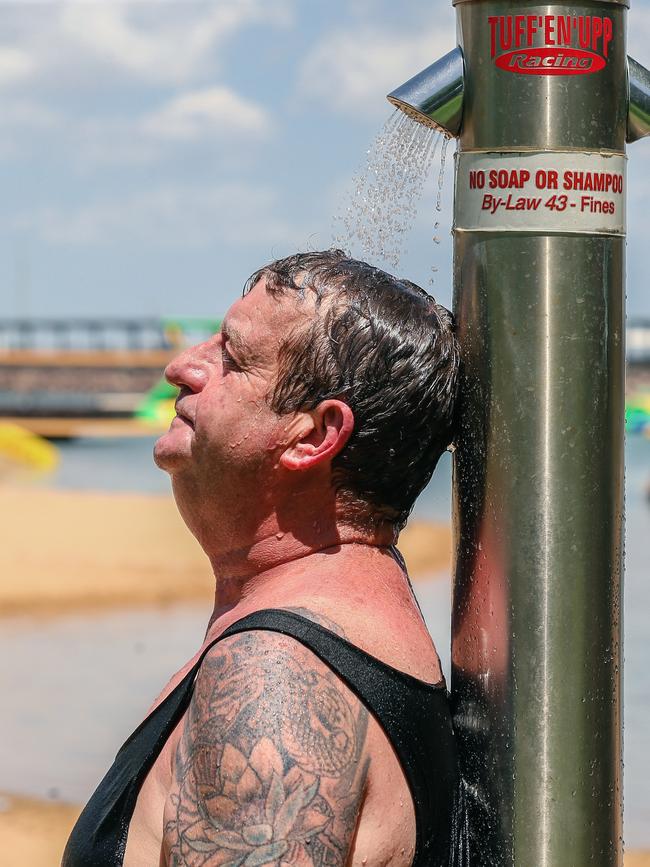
414, 715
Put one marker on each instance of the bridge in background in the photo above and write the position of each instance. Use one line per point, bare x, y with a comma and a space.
85, 376
80, 377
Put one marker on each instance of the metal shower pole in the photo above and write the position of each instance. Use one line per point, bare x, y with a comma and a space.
543, 99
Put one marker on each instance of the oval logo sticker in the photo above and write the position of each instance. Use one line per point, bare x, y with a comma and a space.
551, 61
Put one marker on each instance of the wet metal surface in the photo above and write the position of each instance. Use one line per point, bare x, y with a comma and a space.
435, 95
537, 613
536, 652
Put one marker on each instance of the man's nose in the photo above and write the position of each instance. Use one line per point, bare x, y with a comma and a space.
189, 368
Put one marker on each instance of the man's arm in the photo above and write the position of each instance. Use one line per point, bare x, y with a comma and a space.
272, 765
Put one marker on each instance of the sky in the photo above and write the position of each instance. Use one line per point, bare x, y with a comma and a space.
154, 154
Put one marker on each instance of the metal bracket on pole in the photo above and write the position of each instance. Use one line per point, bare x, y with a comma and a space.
638, 122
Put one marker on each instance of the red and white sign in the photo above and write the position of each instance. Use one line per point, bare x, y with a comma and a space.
550, 44
573, 192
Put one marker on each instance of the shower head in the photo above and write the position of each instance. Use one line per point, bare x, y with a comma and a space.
434, 96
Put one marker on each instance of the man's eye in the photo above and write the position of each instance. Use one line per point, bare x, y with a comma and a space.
228, 360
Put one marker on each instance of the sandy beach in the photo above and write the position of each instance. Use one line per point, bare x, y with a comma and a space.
76, 551
72, 551
34, 832
66, 551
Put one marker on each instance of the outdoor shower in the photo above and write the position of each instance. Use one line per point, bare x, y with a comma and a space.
542, 99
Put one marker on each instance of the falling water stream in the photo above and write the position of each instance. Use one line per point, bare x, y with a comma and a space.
383, 204
441, 184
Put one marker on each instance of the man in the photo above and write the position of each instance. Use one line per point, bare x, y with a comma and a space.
315, 731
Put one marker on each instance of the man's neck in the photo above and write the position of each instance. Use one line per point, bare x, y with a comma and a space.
272, 559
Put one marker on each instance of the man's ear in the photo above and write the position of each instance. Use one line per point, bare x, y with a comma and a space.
322, 434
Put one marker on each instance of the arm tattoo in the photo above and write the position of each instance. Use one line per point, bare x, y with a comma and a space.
271, 767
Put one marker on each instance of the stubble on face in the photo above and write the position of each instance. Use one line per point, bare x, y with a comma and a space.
222, 450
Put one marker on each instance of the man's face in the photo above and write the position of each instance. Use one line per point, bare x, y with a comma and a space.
224, 431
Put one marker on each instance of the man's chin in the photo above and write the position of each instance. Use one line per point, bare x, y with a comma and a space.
169, 454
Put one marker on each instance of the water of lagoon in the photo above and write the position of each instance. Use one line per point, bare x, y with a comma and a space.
74, 687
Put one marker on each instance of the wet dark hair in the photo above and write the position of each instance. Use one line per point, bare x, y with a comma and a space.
389, 350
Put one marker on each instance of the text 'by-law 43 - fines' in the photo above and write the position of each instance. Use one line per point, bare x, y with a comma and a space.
558, 192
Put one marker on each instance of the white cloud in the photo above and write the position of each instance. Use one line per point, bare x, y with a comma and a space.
25, 127
160, 42
215, 115
350, 72
15, 65
27, 115
233, 213
86, 72
211, 112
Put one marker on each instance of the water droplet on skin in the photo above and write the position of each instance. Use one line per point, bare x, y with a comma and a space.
279, 536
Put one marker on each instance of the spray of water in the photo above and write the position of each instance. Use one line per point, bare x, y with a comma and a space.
386, 190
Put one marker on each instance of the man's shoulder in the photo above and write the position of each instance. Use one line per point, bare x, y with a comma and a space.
259, 666
264, 679
272, 757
